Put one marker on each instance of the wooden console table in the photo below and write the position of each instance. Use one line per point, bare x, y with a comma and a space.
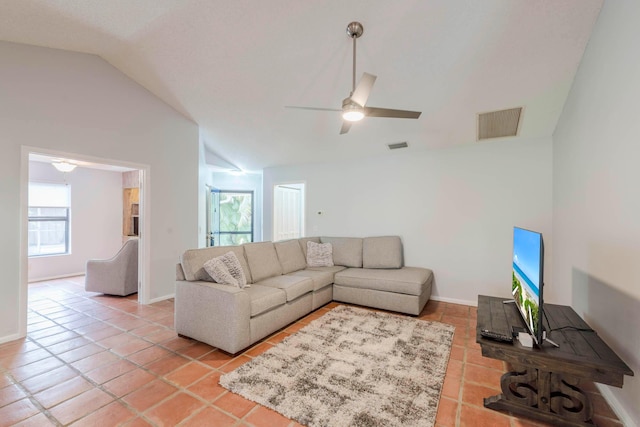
545, 382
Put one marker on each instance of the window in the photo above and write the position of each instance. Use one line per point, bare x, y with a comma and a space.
231, 218
236, 217
48, 219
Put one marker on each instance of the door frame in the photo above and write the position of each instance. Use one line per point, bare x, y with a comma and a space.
144, 258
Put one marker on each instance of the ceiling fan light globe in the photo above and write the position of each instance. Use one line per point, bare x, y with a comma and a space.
353, 115
64, 166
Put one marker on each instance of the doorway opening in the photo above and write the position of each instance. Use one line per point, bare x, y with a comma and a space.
288, 211
80, 229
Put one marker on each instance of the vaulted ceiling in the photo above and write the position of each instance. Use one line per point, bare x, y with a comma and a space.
232, 66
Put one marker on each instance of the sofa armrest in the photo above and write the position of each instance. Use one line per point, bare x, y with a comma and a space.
180, 272
104, 270
215, 314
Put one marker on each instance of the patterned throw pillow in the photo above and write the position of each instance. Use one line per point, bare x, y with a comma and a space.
219, 272
319, 254
232, 263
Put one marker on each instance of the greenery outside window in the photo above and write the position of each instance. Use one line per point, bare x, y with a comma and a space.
232, 222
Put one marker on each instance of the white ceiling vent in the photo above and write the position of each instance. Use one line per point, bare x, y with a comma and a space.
498, 124
397, 145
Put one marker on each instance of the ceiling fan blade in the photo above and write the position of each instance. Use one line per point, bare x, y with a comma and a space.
345, 127
312, 108
363, 89
387, 112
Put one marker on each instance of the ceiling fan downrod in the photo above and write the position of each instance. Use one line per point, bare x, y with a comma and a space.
354, 30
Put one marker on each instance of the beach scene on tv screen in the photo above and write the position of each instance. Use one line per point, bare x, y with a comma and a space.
526, 275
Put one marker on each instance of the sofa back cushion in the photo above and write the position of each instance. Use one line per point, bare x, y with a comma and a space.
290, 255
382, 252
263, 260
347, 251
193, 260
303, 243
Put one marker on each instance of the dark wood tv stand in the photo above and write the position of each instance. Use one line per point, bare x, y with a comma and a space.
544, 383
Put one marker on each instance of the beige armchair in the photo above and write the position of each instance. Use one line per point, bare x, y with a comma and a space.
115, 276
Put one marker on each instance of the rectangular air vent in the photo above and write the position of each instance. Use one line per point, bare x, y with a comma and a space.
498, 124
397, 145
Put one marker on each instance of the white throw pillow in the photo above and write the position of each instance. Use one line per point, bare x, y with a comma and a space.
232, 263
219, 272
319, 254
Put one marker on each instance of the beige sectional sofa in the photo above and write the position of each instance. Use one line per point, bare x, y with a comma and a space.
368, 271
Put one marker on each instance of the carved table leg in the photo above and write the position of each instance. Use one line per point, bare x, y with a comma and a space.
568, 400
543, 395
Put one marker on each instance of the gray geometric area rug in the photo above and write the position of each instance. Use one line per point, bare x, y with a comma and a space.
351, 367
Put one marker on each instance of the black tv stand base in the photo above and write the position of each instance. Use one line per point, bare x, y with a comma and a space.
544, 382
543, 395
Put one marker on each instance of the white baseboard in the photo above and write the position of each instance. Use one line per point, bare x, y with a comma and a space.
615, 405
11, 337
473, 303
62, 276
162, 298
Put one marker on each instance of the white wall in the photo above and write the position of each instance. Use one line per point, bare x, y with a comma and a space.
597, 192
453, 208
96, 219
79, 104
245, 182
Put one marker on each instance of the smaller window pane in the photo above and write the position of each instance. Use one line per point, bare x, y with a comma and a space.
47, 237
234, 239
39, 212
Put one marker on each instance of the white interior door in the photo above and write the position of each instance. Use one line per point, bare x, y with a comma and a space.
288, 211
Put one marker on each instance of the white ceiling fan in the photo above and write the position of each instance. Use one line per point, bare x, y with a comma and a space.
354, 107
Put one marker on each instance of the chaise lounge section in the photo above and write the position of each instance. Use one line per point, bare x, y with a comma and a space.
282, 288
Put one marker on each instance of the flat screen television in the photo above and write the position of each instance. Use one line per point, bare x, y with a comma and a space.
527, 279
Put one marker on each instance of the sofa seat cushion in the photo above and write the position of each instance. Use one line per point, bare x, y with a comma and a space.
265, 298
320, 278
405, 280
332, 270
293, 286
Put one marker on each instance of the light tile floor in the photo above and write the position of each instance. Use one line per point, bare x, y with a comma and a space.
95, 360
